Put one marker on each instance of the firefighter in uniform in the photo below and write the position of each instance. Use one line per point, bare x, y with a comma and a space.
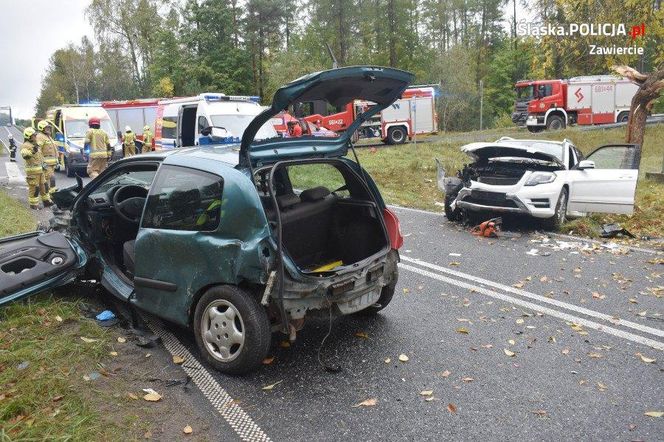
100, 148
49, 152
34, 170
12, 149
147, 139
129, 142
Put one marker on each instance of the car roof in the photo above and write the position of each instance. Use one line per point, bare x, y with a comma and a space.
206, 158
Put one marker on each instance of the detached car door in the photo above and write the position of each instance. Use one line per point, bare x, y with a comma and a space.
37, 261
610, 185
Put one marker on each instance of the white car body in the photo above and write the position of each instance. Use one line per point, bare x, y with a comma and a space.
604, 182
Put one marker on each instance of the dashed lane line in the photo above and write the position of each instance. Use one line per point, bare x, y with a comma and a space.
539, 298
243, 425
538, 308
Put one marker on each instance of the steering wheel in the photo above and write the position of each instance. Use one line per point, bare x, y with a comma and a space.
128, 202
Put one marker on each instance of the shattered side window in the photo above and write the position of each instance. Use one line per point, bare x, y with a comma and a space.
184, 199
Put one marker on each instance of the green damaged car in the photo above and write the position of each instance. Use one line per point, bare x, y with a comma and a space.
233, 241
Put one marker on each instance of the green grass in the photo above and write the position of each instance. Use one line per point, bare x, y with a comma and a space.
406, 175
14, 216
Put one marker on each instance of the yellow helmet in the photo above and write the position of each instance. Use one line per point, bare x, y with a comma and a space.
28, 132
146, 127
43, 124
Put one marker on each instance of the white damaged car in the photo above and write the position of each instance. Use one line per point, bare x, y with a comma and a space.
550, 180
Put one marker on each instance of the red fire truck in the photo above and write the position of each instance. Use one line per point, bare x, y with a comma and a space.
413, 114
133, 113
555, 104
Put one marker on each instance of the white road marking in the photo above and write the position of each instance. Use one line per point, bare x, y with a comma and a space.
408, 209
535, 297
538, 308
243, 425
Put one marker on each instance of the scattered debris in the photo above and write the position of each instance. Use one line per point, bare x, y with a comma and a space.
613, 230
489, 228
269, 360
92, 376
271, 386
451, 408
179, 360
187, 429
426, 393
403, 358
88, 340
23, 365
509, 353
151, 395
654, 413
122, 340
106, 319
366, 403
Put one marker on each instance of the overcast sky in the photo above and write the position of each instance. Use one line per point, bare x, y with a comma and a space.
30, 31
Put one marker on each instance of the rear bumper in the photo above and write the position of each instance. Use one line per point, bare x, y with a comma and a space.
345, 294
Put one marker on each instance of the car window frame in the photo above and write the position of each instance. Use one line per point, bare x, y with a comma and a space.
152, 187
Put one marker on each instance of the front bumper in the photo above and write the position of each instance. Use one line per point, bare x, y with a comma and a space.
537, 201
535, 120
345, 294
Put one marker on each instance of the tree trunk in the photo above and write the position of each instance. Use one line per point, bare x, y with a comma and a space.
391, 19
650, 88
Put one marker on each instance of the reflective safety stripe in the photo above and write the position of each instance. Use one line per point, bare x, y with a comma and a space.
98, 154
35, 170
33, 200
50, 161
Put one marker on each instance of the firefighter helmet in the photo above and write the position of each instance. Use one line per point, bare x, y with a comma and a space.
43, 124
146, 127
28, 132
127, 129
93, 121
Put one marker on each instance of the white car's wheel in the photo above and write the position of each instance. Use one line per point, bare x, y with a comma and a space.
557, 220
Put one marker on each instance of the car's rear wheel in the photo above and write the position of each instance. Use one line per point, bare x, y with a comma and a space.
386, 295
557, 220
232, 330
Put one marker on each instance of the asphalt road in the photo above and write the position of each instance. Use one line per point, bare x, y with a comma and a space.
576, 372
512, 343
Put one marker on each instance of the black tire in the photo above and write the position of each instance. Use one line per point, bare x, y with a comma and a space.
452, 215
253, 322
556, 221
555, 122
535, 129
623, 117
386, 295
396, 135
68, 170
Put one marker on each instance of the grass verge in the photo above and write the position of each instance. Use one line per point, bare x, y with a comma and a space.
14, 216
406, 175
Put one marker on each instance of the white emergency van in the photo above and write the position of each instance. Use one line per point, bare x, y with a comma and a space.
181, 121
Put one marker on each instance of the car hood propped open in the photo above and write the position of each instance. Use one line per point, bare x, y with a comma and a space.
338, 87
482, 150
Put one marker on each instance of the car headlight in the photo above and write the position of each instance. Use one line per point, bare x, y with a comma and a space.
540, 178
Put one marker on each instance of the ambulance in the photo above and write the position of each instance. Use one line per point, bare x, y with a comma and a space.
71, 124
182, 121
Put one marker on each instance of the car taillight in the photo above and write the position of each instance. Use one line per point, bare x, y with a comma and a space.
393, 228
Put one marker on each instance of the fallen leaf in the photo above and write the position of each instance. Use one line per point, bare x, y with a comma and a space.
113, 353
59, 318
122, 340
430, 398
643, 313
509, 353
57, 398
147, 434
446, 373
187, 429
271, 386
487, 346
518, 285
455, 263
388, 360
462, 330
405, 291
544, 279
467, 379
132, 396
520, 321
366, 403
362, 335
403, 358
268, 361
646, 359
88, 340
284, 344
595, 355
152, 397
451, 408
426, 393
654, 413
178, 359
601, 386
597, 295
633, 301
540, 413
565, 351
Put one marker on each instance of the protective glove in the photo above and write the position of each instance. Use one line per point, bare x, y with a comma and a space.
35, 149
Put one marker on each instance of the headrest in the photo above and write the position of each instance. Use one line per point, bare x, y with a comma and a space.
315, 194
288, 200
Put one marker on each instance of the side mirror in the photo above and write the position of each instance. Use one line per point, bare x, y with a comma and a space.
585, 164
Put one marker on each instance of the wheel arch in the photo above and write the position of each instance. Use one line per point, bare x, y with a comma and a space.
191, 307
557, 111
